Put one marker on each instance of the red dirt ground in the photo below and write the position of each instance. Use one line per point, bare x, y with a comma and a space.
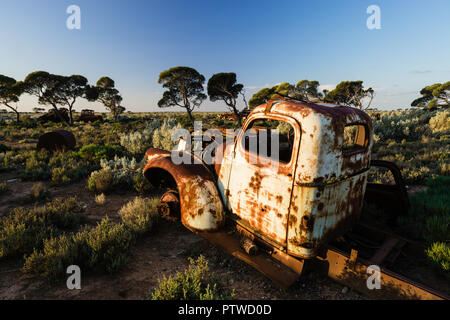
163, 252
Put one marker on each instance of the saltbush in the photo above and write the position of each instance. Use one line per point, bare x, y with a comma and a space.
119, 173
157, 134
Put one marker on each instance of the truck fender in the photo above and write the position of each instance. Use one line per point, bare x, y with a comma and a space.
200, 203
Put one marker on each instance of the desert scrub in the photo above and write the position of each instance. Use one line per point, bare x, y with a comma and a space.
440, 123
120, 173
140, 214
101, 181
409, 124
60, 167
36, 166
38, 193
157, 134
195, 283
24, 229
100, 199
104, 247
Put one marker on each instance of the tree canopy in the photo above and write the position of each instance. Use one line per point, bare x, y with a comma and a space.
184, 89
46, 87
304, 90
105, 92
69, 90
223, 86
434, 96
10, 91
352, 94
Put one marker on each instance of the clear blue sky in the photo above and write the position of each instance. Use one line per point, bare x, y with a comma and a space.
264, 42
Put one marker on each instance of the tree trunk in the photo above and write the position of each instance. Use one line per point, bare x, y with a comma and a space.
70, 115
238, 116
15, 111
189, 112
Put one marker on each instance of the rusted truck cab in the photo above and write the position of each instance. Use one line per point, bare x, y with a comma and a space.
313, 191
294, 177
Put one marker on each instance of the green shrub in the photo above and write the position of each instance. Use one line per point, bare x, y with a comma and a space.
196, 283
57, 254
439, 255
109, 244
24, 229
60, 167
94, 152
140, 214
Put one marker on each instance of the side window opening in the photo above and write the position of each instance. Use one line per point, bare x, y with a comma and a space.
355, 138
259, 138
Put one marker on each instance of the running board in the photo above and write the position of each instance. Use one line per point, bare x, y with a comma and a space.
264, 262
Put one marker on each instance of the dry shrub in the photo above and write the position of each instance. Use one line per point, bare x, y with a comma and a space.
139, 214
101, 181
100, 199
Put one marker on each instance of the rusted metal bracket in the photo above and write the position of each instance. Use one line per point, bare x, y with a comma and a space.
392, 285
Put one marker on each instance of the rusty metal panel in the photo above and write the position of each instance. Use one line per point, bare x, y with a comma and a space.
259, 190
321, 213
200, 203
392, 286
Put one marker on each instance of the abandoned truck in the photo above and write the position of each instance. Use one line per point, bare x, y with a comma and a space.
288, 207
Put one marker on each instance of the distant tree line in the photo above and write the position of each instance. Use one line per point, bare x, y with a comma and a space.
348, 93
184, 87
59, 91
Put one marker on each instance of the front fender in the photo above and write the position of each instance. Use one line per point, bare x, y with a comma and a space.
200, 202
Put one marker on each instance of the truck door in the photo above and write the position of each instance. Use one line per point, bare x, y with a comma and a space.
262, 171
